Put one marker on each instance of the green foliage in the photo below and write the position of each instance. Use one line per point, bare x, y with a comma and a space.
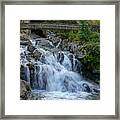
62, 33
92, 57
91, 44
74, 36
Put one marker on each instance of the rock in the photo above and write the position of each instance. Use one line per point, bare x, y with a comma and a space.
37, 54
30, 65
86, 88
76, 65
23, 72
80, 54
64, 45
65, 84
43, 42
25, 90
42, 59
30, 48
33, 69
60, 57
96, 90
56, 41
69, 84
38, 32
25, 43
28, 57
70, 56
72, 47
44, 77
24, 37
36, 96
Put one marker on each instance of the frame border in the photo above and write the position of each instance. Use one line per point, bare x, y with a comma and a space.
55, 2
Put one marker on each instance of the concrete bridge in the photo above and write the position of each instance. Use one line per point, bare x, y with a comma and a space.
31, 26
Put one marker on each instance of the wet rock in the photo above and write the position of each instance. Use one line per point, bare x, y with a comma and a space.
30, 48
71, 47
30, 65
76, 65
71, 56
37, 55
42, 59
69, 84
32, 74
64, 45
25, 90
23, 72
96, 90
43, 42
56, 41
23, 55
28, 57
44, 77
25, 43
66, 85
60, 57
86, 88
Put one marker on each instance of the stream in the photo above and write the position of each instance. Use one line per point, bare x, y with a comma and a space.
54, 74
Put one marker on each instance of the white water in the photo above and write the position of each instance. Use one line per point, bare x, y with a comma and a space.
54, 77
58, 95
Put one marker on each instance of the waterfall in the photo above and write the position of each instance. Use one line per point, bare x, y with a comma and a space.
28, 74
59, 43
54, 71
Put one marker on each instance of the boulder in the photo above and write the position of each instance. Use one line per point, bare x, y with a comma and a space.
25, 90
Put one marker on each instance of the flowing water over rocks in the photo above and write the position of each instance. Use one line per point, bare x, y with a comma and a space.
53, 73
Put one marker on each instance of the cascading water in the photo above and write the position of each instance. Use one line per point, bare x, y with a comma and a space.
55, 75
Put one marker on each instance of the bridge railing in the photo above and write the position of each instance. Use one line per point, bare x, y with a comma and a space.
57, 26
